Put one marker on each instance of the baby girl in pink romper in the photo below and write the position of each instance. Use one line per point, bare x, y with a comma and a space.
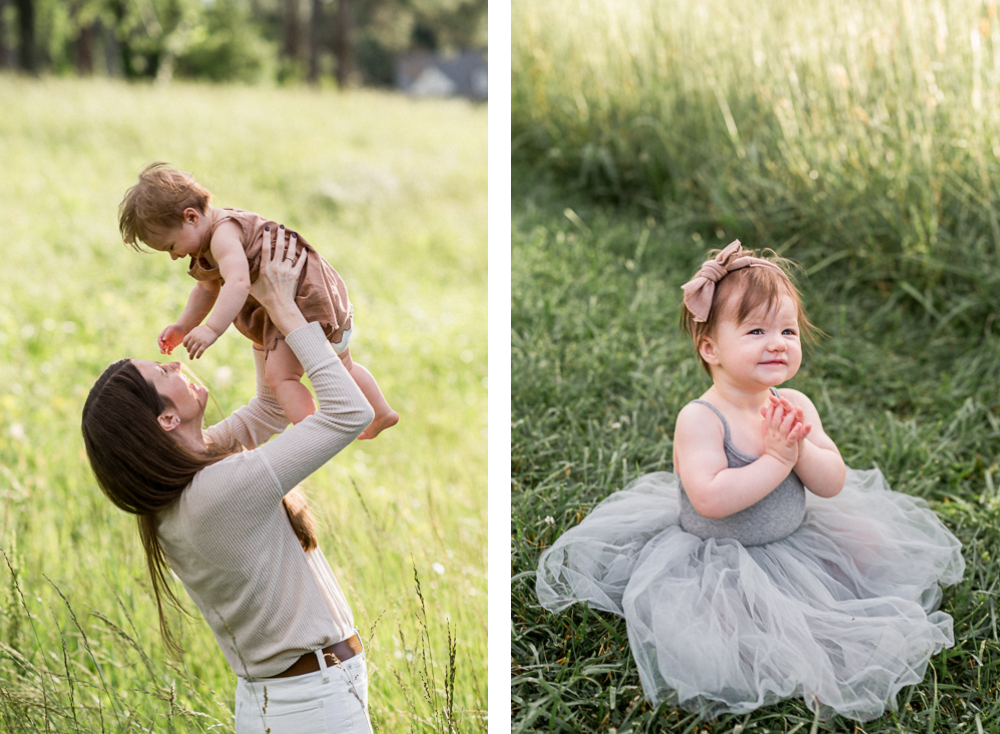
169, 211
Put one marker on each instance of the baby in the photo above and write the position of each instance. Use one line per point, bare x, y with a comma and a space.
170, 212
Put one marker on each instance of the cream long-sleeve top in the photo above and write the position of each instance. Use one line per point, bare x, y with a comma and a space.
229, 540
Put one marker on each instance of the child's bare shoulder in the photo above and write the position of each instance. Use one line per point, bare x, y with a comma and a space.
227, 232
697, 419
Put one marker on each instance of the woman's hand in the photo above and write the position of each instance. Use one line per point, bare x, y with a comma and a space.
276, 286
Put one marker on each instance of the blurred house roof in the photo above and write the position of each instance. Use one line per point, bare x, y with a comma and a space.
427, 74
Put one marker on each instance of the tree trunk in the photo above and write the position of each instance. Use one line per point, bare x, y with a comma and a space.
7, 59
343, 50
315, 40
84, 47
293, 29
27, 55
111, 48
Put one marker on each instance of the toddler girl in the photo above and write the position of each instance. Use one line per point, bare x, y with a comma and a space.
762, 568
169, 211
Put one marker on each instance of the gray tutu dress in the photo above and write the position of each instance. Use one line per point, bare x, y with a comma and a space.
832, 600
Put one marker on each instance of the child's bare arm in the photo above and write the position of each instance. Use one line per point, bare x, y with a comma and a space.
235, 270
715, 490
199, 304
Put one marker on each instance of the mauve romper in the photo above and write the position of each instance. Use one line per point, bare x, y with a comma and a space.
321, 294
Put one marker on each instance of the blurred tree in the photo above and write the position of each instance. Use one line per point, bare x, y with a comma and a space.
83, 17
7, 59
293, 30
226, 45
315, 39
343, 43
355, 40
27, 56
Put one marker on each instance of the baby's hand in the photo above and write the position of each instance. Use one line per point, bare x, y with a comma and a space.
782, 433
170, 338
788, 407
199, 339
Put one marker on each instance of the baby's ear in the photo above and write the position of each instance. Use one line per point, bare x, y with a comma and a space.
191, 216
708, 351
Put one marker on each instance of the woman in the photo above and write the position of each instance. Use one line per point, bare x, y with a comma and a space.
209, 506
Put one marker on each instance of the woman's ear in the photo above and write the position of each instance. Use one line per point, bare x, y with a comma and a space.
168, 420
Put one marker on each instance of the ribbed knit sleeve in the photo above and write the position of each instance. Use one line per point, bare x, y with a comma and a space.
254, 423
342, 415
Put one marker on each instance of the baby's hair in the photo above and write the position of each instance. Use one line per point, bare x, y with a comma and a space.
759, 286
158, 201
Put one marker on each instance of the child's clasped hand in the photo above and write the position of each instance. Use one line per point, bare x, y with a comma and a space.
784, 430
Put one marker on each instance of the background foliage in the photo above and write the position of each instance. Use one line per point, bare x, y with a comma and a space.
860, 137
351, 41
392, 191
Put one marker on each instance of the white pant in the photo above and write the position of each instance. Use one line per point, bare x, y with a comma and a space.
333, 700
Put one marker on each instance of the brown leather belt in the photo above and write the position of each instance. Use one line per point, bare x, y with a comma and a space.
340, 651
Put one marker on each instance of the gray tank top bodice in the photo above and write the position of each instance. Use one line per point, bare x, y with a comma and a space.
772, 518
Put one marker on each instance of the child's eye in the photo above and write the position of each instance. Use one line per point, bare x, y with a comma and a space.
756, 331
790, 331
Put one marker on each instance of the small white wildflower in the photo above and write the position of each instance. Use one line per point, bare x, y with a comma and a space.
616, 425
438, 568
549, 520
17, 432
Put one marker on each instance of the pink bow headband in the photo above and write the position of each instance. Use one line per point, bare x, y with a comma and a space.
699, 291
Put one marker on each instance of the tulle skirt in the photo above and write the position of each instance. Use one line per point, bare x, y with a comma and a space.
841, 613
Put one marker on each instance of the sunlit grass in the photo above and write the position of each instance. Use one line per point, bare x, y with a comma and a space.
393, 193
599, 371
858, 137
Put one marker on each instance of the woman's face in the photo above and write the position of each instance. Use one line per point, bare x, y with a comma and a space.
184, 399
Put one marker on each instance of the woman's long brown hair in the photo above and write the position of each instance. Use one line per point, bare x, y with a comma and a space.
143, 470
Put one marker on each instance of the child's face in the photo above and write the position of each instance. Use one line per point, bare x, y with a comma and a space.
763, 351
182, 241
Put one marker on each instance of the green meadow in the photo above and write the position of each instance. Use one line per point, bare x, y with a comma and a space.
392, 191
860, 140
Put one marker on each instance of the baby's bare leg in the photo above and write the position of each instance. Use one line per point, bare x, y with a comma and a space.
385, 417
283, 374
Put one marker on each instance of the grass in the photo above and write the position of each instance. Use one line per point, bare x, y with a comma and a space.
393, 192
855, 137
599, 372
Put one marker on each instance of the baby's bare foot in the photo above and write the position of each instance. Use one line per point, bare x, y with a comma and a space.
381, 422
